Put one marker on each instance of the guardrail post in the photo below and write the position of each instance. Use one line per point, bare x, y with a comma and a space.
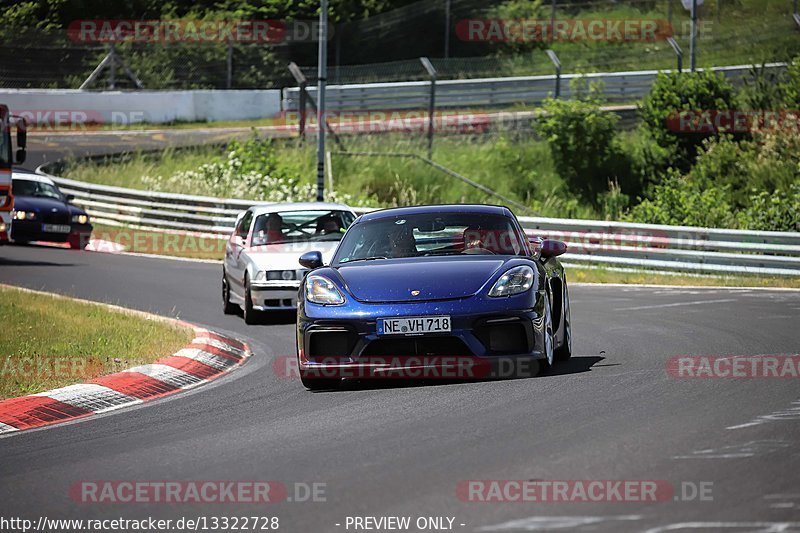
678, 52
554, 58
431, 103
302, 83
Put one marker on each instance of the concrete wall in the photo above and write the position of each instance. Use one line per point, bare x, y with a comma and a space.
62, 107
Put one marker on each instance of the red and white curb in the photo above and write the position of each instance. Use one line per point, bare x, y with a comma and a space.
209, 356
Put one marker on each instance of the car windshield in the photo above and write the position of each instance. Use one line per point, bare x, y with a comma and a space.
300, 226
431, 234
23, 187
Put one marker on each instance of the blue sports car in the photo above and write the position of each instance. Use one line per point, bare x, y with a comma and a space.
446, 291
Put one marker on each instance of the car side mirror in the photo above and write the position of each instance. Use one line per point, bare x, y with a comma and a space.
311, 260
552, 248
70, 197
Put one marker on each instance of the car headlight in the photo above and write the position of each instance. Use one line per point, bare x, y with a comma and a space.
281, 275
24, 215
80, 219
320, 290
515, 281
260, 276
2, 226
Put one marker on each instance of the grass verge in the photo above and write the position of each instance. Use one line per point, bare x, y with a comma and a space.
643, 277
50, 341
160, 243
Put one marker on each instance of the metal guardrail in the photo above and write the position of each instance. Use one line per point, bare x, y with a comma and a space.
678, 248
618, 87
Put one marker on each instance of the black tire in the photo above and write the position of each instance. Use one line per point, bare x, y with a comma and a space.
227, 307
549, 336
251, 316
564, 352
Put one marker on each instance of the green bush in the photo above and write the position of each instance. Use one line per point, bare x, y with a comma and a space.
777, 211
674, 92
679, 201
749, 184
582, 142
790, 88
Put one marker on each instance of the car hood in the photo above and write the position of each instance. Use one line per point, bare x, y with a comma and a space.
32, 203
440, 278
287, 256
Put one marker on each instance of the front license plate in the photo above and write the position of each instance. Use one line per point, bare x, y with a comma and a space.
55, 228
414, 325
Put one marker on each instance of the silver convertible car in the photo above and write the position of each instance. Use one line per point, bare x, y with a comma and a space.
261, 271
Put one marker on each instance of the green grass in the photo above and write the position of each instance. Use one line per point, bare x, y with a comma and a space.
50, 341
748, 31
161, 243
604, 275
521, 170
129, 170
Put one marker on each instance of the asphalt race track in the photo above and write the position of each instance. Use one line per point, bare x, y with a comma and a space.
612, 413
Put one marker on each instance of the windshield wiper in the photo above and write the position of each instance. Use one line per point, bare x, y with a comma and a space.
433, 253
364, 259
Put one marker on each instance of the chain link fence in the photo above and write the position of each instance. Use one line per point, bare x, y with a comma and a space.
386, 47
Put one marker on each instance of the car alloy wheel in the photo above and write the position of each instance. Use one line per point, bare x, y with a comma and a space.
227, 307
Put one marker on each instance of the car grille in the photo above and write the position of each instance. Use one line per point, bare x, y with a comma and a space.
507, 337
417, 346
330, 343
286, 302
56, 218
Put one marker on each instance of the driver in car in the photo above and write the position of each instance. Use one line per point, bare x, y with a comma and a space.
401, 242
270, 231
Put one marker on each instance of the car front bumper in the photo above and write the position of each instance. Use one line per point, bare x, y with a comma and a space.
31, 230
485, 332
274, 295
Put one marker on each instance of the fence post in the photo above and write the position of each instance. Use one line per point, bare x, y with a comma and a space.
693, 41
112, 66
554, 58
302, 83
669, 13
431, 103
447, 29
229, 80
796, 15
678, 52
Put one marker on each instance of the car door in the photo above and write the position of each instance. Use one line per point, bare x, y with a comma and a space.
234, 259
